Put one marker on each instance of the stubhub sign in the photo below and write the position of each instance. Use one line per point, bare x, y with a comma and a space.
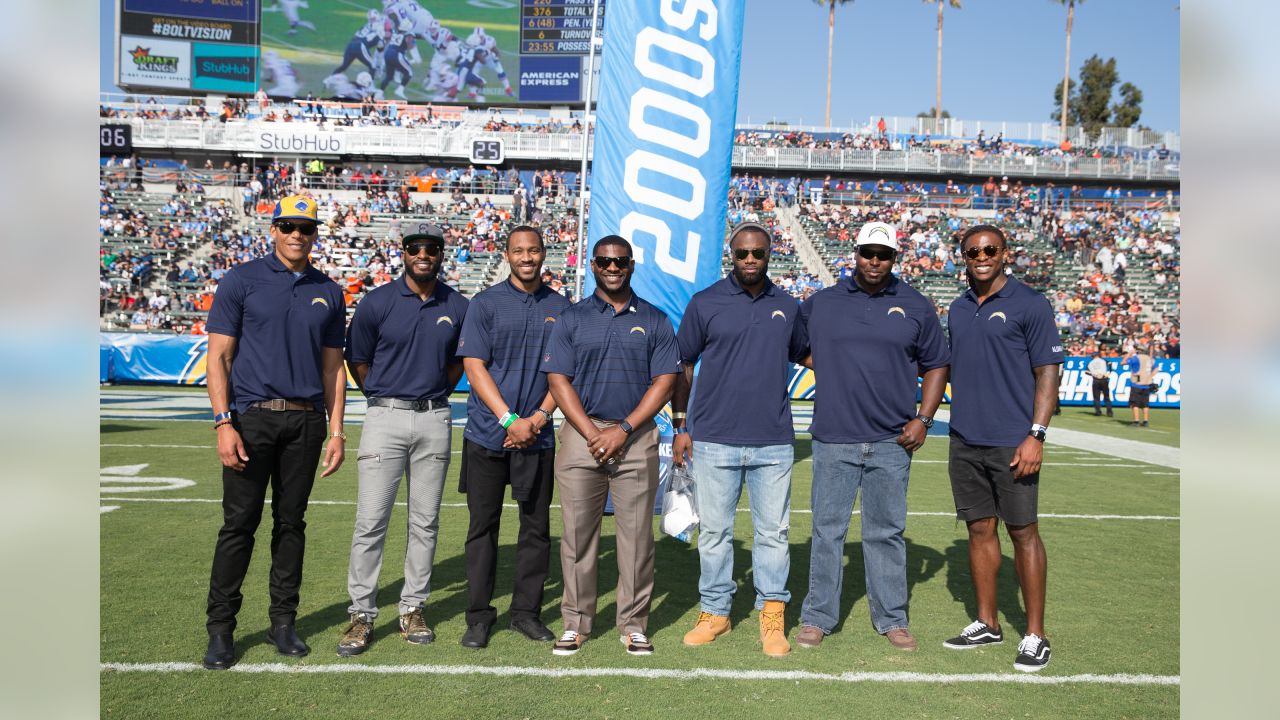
660, 178
551, 79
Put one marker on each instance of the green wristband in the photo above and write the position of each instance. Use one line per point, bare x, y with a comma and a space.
508, 419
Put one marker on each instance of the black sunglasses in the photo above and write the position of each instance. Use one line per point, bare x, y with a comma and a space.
288, 227
413, 248
603, 262
988, 250
742, 253
871, 253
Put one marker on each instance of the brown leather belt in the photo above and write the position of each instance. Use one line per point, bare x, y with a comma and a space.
281, 404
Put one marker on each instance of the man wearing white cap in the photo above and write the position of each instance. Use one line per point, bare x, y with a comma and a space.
870, 337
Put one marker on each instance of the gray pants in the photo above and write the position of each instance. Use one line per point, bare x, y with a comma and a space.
398, 443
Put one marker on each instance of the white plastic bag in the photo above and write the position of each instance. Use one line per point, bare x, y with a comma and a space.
679, 512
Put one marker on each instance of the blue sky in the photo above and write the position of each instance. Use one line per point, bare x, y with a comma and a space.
1001, 58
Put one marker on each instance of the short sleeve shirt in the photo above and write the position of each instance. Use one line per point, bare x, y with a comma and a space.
868, 351
611, 357
407, 342
508, 329
995, 348
281, 323
746, 345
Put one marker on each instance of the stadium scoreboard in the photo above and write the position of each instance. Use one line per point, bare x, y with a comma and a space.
115, 139
487, 151
557, 27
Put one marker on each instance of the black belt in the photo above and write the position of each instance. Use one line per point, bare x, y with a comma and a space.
282, 404
414, 405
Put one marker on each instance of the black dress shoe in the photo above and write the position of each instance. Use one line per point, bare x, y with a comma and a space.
476, 636
287, 641
221, 653
532, 629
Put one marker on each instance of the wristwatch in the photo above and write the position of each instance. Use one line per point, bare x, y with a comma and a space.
545, 414
338, 434
626, 427
925, 420
1038, 431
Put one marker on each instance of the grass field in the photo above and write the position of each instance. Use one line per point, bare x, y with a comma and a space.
1112, 612
315, 53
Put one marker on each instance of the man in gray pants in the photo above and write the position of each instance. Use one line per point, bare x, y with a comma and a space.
402, 351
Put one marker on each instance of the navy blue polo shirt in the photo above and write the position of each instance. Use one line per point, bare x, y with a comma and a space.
407, 342
868, 351
281, 324
746, 345
611, 356
508, 329
994, 348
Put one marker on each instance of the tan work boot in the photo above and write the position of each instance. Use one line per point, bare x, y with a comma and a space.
708, 628
773, 635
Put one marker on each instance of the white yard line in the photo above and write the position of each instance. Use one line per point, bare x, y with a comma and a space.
658, 673
799, 511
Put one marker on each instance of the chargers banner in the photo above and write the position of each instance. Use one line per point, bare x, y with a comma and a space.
664, 133
1074, 388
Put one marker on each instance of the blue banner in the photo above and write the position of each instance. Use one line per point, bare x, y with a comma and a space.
664, 134
1074, 388
241, 10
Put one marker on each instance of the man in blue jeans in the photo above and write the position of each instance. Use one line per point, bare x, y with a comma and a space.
870, 337
744, 329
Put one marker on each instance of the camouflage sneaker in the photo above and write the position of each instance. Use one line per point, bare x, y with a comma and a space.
414, 629
355, 639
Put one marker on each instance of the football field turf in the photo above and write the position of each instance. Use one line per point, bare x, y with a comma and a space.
1111, 527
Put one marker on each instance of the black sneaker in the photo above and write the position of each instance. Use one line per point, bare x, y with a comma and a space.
1033, 654
1144, 423
975, 635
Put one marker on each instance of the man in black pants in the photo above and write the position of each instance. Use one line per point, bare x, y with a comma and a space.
508, 439
1101, 390
275, 371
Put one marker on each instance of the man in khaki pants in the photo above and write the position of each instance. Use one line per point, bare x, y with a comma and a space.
611, 363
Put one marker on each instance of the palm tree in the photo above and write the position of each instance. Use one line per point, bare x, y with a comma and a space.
1066, 70
831, 39
937, 103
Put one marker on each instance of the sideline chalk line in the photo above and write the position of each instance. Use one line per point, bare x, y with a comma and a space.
659, 673
799, 511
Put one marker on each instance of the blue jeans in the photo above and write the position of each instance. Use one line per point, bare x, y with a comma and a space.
719, 474
881, 469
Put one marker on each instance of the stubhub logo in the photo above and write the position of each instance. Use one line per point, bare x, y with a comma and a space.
241, 69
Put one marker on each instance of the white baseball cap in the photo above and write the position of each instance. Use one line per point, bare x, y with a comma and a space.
878, 233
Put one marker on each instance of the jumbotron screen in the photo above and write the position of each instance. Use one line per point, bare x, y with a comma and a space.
449, 51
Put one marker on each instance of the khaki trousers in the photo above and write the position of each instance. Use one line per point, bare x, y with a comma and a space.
583, 485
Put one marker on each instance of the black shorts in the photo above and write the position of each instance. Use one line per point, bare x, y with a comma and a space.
982, 485
1140, 396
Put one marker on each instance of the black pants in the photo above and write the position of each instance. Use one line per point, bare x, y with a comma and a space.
284, 449
487, 477
1101, 387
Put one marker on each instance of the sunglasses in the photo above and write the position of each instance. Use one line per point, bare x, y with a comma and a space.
871, 253
414, 248
288, 227
987, 250
742, 253
602, 262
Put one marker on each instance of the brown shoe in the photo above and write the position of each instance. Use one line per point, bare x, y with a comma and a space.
773, 634
414, 628
708, 628
901, 638
569, 643
355, 639
809, 636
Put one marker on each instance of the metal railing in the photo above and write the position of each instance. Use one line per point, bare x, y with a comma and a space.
276, 139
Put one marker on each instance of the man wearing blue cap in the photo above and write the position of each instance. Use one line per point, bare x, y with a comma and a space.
402, 350
275, 373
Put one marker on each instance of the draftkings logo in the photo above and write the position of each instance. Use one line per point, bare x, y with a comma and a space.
144, 60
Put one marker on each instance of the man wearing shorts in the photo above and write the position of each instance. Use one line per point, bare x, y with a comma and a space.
1005, 356
1140, 366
